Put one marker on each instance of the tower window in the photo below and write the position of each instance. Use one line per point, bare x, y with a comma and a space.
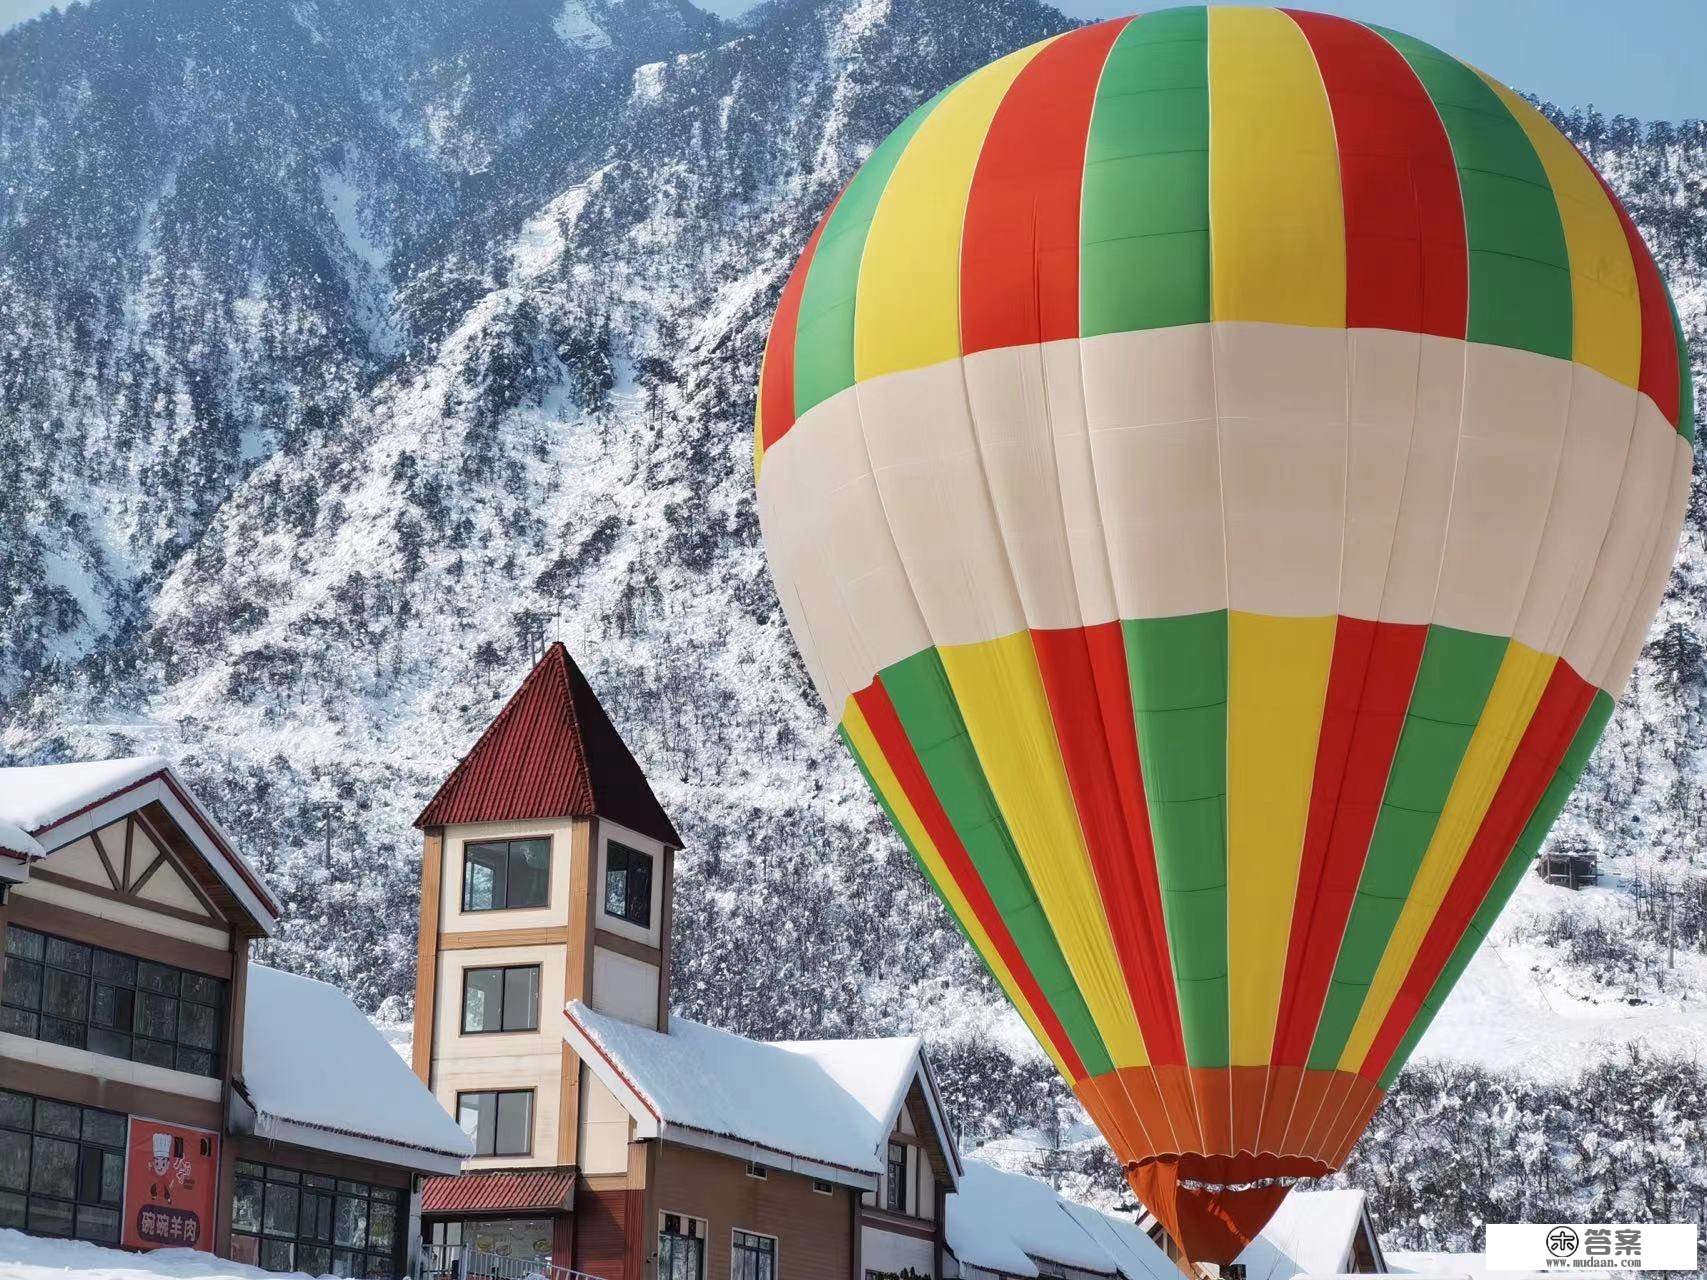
500, 875
895, 1198
628, 884
500, 999
499, 1120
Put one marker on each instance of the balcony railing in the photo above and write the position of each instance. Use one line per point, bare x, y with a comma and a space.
459, 1262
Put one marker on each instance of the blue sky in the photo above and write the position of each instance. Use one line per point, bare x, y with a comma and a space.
1638, 57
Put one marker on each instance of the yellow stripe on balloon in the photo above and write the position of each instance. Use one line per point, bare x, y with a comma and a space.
759, 418
1277, 685
1606, 308
908, 312
913, 828
1276, 217
999, 690
1516, 692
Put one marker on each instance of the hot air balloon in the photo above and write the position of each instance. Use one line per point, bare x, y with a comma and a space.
1219, 467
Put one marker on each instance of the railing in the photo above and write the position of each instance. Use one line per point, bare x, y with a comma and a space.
458, 1262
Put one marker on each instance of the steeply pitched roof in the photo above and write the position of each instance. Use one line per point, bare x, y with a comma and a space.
315, 1069
1310, 1234
787, 1105
551, 753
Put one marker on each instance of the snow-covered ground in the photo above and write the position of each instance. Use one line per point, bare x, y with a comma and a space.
25, 1257
1523, 1006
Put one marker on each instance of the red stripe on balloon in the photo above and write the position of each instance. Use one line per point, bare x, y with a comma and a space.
897, 749
1658, 379
1369, 688
1019, 253
1407, 265
1090, 700
776, 389
1540, 751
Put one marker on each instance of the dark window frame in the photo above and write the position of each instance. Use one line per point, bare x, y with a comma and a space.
91, 1156
508, 842
503, 1000
119, 992
318, 1217
631, 864
895, 1178
759, 1248
680, 1231
496, 1095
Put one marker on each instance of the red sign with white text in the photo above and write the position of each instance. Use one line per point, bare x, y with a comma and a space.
170, 1175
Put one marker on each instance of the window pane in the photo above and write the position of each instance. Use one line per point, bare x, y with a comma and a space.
198, 1026
616, 881
515, 1123
346, 1264
114, 1006
159, 978
89, 1176
24, 943
521, 999
157, 1017
103, 1127
246, 1206
314, 1260
112, 1178
276, 1255
67, 955
12, 1210
483, 877
197, 1062
99, 1225
153, 1052
317, 1182
23, 984
14, 1160
50, 1217
53, 1168
66, 995
482, 991
316, 1216
280, 1217
350, 1223
110, 966
18, 1022
381, 1226
475, 1114
530, 872
246, 1249
59, 1031
15, 1109
61, 1119
203, 989
276, 1174
640, 888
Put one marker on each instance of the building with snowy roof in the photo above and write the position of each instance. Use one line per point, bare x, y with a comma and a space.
623, 1142
156, 1087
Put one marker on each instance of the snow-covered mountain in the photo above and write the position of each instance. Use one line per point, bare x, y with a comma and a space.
351, 345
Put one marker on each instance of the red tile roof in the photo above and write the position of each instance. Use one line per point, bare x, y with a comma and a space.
497, 1192
551, 753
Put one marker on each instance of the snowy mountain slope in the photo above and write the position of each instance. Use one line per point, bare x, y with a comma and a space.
437, 332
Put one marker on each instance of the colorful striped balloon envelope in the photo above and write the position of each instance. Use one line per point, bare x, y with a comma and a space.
1219, 467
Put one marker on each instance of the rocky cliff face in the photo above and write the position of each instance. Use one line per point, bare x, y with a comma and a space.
350, 345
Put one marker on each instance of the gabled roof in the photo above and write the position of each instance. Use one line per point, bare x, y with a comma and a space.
1311, 1234
552, 752
822, 1108
1017, 1226
318, 1074
45, 807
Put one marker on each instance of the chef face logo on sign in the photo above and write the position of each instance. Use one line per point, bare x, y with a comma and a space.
170, 1175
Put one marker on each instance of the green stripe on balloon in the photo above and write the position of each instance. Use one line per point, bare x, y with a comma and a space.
1178, 671
1523, 853
824, 331
1520, 268
1685, 376
1144, 220
924, 701
1457, 674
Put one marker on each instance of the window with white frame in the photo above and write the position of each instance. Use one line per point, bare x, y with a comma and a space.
752, 1256
681, 1247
